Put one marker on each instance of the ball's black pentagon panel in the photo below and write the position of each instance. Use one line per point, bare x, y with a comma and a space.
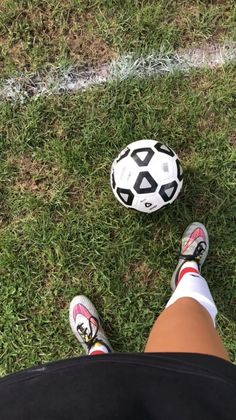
164, 149
167, 191
145, 183
123, 155
142, 156
179, 170
125, 195
113, 182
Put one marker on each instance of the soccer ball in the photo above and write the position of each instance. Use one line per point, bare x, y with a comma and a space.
146, 176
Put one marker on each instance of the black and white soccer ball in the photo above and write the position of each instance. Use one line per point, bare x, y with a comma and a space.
146, 176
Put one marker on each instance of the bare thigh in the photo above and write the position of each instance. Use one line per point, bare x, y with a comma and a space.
185, 327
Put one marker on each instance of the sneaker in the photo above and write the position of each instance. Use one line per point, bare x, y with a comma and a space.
85, 324
194, 247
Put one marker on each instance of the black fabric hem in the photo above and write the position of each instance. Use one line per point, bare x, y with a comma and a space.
184, 363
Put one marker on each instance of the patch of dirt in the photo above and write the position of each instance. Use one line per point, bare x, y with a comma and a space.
13, 50
75, 194
185, 11
61, 303
50, 36
17, 54
207, 123
89, 48
5, 217
141, 270
34, 177
58, 129
232, 140
3, 41
86, 45
201, 83
41, 180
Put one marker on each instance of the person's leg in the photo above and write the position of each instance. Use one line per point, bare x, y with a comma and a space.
186, 327
188, 322
86, 326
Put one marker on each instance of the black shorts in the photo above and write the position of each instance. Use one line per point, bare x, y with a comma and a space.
123, 386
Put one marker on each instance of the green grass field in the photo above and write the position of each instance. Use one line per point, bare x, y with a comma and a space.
61, 231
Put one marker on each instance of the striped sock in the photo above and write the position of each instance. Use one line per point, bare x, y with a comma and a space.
190, 267
191, 284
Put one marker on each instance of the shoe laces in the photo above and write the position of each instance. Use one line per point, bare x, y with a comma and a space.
197, 254
88, 335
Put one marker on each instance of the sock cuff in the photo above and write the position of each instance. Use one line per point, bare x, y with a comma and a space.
186, 270
96, 352
98, 348
195, 288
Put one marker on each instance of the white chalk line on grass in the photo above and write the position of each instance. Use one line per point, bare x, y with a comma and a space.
55, 80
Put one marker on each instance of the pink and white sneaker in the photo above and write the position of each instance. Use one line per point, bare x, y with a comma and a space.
86, 326
194, 247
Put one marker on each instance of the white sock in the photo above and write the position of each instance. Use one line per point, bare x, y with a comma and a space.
98, 349
193, 285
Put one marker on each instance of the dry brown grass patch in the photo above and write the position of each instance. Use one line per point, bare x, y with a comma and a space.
232, 140
75, 193
186, 11
142, 271
88, 48
208, 122
37, 36
190, 15
85, 44
201, 83
34, 177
